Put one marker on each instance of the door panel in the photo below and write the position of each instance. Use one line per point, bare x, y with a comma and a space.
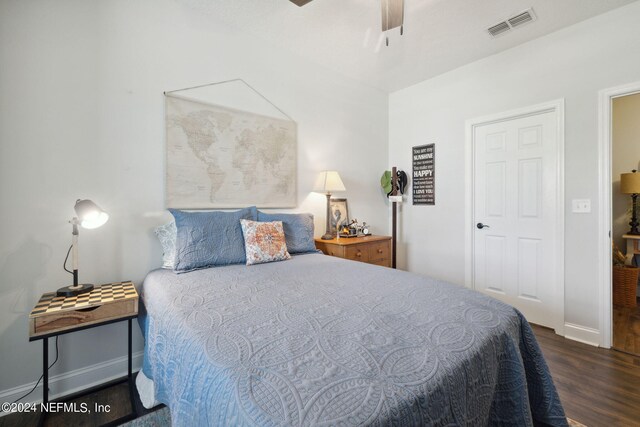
496, 189
530, 188
515, 194
495, 247
528, 267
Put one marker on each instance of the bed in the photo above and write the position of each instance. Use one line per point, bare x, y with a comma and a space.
318, 340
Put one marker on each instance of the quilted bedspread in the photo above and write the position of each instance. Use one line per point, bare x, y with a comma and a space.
318, 340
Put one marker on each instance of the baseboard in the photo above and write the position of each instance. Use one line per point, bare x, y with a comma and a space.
74, 381
582, 334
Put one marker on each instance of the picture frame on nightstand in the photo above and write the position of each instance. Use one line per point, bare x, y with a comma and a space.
339, 215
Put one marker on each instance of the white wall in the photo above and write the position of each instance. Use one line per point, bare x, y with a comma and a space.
82, 115
574, 64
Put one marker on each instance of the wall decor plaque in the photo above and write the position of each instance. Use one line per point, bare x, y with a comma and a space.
424, 185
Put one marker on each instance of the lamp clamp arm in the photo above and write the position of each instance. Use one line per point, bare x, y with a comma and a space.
75, 222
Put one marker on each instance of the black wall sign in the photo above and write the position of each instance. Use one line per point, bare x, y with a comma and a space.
424, 184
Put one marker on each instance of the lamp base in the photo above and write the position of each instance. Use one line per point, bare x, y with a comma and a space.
327, 236
634, 223
73, 290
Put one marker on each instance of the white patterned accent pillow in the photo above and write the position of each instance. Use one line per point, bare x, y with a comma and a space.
264, 241
167, 235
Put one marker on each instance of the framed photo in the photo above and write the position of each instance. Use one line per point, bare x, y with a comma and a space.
339, 214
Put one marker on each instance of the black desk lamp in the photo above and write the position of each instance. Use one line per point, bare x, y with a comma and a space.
89, 215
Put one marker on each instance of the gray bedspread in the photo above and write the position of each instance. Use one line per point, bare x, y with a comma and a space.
318, 340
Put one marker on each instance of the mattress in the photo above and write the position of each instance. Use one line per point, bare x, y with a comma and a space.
318, 340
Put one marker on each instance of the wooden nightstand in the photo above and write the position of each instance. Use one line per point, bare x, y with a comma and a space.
370, 249
53, 316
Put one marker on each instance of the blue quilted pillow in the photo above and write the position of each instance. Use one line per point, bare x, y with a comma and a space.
206, 239
298, 230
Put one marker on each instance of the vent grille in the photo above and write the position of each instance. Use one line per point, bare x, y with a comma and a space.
521, 19
511, 23
499, 29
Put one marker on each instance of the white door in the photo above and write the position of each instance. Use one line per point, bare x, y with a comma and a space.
516, 215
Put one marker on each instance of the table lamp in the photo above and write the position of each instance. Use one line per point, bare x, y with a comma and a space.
327, 182
630, 184
89, 216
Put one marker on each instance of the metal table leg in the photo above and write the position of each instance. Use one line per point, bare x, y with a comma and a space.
45, 370
129, 374
129, 371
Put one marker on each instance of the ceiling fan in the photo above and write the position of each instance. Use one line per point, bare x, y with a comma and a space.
392, 14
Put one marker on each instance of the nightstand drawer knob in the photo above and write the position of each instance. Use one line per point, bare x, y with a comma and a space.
359, 253
380, 251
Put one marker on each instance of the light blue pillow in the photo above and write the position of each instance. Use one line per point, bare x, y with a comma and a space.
206, 239
298, 230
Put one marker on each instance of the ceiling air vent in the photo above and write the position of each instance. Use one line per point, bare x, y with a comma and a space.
499, 29
511, 23
522, 18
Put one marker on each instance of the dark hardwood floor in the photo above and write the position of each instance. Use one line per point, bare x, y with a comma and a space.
626, 329
117, 397
597, 387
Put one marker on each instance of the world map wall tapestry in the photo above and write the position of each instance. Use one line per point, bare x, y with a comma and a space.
220, 157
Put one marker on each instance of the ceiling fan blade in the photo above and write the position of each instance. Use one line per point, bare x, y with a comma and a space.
300, 2
392, 14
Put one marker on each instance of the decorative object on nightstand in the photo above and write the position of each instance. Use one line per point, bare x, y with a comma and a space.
370, 249
328, 182
56, 315
630, 184
89, 216
355, 229
339, 217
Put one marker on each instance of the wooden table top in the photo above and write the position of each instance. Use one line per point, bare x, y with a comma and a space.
112, 292
345, 241
631, 236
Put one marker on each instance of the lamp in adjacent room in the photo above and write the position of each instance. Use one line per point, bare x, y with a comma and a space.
88, 215
630, 184
328, 182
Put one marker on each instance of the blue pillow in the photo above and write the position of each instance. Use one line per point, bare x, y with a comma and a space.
298, 230
206, 239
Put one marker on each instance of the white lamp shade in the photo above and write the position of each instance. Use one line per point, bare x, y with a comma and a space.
95, 221
89, 214
328, 182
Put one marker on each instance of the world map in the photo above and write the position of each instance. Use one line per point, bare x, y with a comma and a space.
218, 157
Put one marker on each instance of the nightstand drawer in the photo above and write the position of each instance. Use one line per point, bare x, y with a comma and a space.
386, 262
370, 249
379, 251
357, 253
84, 316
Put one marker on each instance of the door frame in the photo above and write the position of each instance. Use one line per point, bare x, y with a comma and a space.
556, 106
605, 146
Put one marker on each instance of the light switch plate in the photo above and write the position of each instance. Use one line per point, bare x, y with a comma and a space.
581, 205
